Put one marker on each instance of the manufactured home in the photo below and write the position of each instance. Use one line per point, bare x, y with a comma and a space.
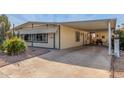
63, 35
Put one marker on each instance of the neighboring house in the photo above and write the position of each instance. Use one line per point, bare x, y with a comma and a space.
62, 35
122, 29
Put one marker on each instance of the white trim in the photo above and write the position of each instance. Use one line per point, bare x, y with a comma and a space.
109, 38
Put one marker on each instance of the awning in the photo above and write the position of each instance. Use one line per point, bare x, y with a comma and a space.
36, 30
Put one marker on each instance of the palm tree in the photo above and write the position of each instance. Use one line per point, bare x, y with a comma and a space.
4, 27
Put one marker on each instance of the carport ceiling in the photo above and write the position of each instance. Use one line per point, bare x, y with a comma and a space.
92, 25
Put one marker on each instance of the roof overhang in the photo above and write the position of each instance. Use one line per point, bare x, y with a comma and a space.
90, 25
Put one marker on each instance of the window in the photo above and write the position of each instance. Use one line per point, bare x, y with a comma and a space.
27, 37
43, 38
77, 36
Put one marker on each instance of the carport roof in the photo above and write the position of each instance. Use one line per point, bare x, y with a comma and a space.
92, 25
88, 25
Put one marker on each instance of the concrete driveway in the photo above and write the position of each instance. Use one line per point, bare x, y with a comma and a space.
80, 62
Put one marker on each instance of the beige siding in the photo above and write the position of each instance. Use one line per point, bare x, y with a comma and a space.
68, 37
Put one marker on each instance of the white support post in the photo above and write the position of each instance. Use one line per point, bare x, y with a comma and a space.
109, 38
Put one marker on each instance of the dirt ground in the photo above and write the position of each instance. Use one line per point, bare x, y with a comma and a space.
83, 62
30, 52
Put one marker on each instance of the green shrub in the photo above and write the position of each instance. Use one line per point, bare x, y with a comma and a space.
2, 48
14, 46
122, 40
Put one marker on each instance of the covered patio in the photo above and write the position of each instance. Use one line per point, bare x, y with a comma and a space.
95, 26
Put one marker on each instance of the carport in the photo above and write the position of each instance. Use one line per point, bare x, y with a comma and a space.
90, 26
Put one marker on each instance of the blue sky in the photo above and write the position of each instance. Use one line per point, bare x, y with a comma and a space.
21, 18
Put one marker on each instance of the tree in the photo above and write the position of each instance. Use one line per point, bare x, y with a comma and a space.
5, 26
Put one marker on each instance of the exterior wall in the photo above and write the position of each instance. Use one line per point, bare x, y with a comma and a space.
68, 37
50, 43
51, 30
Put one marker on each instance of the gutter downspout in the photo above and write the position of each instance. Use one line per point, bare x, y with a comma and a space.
54, 40
59, 37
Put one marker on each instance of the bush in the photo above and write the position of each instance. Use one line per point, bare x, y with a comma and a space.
2, 48
14, 46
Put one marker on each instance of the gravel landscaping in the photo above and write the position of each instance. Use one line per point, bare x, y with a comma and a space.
30, 52
119, 67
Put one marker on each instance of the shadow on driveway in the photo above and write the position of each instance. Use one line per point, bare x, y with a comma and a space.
87, 56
